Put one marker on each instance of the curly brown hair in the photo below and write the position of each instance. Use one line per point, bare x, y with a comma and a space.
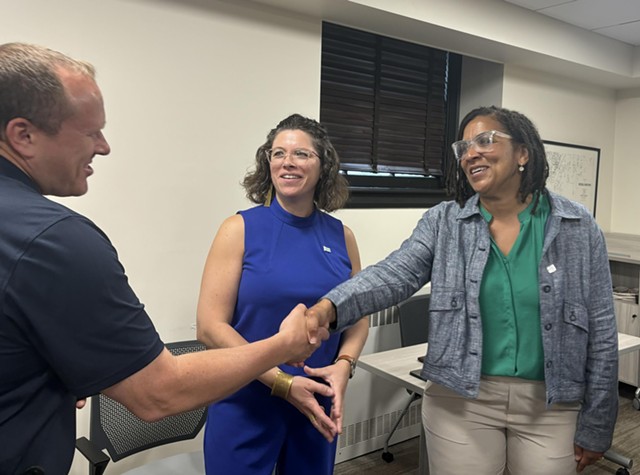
331, 191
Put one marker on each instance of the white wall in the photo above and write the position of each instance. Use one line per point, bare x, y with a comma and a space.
625, 217
481, 84
191, 90
379, 231
569, 112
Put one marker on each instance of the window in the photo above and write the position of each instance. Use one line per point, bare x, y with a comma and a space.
390, 108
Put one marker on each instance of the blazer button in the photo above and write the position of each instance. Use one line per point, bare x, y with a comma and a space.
546, 289
548, 326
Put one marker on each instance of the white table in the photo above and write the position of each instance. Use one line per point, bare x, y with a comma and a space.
395, 365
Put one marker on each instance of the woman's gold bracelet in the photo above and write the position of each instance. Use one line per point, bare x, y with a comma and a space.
282, 384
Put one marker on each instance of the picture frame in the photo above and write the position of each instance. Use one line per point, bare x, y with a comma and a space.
573, 172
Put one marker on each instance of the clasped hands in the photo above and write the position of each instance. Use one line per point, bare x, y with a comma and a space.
309, 327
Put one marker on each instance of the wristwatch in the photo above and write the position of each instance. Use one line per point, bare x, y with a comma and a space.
352, 363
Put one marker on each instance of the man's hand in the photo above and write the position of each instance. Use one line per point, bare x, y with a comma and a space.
585, 457
295, 327
318, 319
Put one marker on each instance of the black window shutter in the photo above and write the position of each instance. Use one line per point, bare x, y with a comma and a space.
388, 107
348, 84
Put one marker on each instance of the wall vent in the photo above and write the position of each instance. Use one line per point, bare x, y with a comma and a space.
369, 435
388, 316
377, 426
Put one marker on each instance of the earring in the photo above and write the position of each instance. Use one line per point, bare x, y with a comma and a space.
267, 201
521, 168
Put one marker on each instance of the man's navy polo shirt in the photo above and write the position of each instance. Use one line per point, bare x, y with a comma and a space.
70, 324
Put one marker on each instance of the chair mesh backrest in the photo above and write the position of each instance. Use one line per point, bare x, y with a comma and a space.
412, 315
118, 430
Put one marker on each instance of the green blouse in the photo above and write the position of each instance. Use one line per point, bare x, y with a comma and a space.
510, 303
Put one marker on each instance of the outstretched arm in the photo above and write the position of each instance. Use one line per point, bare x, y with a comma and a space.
173, 384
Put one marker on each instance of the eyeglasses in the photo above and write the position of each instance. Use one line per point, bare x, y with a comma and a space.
299, 155
483, 142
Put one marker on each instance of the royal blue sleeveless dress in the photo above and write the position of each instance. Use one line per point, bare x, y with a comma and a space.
287, 260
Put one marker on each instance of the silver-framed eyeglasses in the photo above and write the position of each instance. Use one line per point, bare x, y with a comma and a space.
483, 142
299, 155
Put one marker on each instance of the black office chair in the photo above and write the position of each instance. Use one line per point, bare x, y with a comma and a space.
114, 428
412, 316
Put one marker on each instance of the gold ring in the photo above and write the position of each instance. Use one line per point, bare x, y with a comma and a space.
312, 418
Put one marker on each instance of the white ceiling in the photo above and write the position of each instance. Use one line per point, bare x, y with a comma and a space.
600, 39
617, 19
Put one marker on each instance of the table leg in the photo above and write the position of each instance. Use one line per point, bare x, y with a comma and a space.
423, 457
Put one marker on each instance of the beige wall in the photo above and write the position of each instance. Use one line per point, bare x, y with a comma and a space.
191, 91
625, 206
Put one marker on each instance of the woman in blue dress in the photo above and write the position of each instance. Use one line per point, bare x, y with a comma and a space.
264, 261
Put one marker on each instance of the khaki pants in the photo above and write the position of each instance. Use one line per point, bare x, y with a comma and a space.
506, 430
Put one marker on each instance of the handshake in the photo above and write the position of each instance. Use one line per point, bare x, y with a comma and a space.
305, 329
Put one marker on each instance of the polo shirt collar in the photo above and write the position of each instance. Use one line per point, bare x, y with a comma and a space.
9, 170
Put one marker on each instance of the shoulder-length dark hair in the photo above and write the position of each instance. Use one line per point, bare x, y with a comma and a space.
331, 191
523, 133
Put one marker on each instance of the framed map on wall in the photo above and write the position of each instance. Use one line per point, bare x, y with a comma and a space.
573, 172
